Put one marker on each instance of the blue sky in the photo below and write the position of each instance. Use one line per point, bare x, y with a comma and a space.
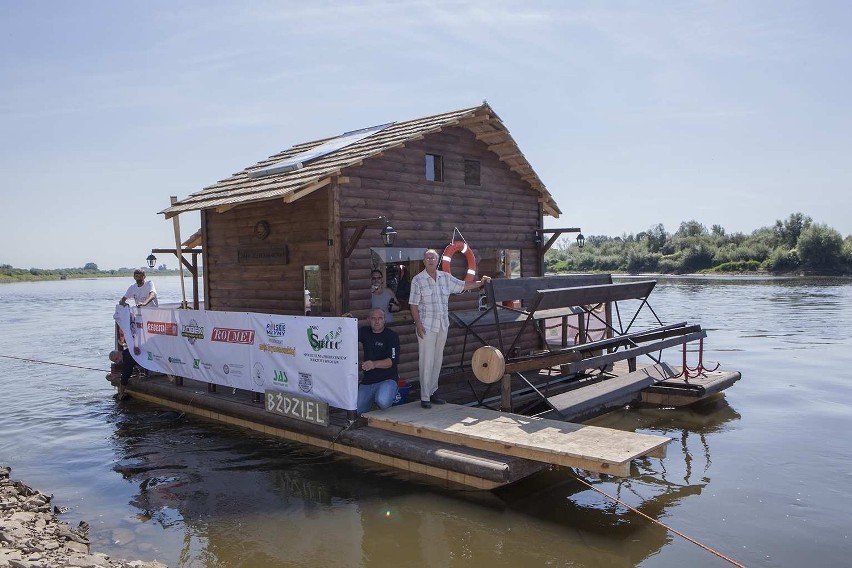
632, 113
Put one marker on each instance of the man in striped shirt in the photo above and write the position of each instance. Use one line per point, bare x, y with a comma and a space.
429, 301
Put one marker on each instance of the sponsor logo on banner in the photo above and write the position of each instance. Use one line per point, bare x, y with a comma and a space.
162, 328
275, 329
154, 356
306, 383
192, 331
279, 377
330, 340
196, 363
227, 335
291, 351
233, 369
258, 374
325, 347
176, 361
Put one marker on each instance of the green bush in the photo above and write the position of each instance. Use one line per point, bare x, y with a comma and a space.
820, 248
695, 258
781, 260
736, 266
641, 261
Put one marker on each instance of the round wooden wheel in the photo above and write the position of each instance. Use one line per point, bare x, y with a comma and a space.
488, 364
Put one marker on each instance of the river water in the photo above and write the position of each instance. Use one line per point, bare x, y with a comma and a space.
762, 475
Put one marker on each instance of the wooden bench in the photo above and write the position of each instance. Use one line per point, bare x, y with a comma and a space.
500, 290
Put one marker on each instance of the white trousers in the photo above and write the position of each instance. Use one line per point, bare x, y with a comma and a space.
431, 351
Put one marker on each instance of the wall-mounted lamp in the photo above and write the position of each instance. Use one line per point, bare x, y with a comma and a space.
581, 240
388, 235
151, 260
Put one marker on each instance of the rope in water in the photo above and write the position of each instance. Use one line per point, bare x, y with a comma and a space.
52, 363
662, 524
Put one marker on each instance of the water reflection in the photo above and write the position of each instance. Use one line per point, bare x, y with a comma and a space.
241, 500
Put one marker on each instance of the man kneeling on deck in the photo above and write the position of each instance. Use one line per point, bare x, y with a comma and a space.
381, 356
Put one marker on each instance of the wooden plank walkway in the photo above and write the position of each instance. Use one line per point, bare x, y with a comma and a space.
602, 450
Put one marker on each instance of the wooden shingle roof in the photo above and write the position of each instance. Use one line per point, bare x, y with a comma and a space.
242, 188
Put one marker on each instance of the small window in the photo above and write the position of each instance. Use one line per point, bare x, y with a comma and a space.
471, 172
434, 167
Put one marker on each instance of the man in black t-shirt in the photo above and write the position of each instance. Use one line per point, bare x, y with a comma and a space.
381, 356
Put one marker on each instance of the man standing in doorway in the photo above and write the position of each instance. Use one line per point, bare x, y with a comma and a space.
429, 301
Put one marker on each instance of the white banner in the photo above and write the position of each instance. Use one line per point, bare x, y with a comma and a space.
315, 357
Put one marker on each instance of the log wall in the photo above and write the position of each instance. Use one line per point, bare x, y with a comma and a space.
500, 213
269, 288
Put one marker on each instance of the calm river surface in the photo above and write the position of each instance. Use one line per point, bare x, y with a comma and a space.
763, 475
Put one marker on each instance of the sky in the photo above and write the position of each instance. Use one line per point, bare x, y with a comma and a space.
632, 113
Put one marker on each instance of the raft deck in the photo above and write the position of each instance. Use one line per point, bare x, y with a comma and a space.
602, 450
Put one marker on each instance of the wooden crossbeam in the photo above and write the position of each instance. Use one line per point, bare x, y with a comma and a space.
596, 294
627, 354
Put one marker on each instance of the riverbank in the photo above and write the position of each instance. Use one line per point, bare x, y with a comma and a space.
32, 536
9, 275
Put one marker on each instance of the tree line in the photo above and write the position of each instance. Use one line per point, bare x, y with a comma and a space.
8, 273
795, 245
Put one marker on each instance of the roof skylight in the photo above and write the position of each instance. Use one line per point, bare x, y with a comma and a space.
298, 161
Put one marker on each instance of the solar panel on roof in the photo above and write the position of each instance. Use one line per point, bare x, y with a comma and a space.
298, 161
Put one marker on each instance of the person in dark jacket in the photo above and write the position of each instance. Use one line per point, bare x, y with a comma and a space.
381, 357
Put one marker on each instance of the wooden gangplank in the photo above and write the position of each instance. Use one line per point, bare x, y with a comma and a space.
602, 450
610, 393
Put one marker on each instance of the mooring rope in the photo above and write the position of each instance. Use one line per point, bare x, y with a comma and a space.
662, 524
26, 360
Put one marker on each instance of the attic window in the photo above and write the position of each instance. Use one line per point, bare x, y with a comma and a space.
434, 167
471, 172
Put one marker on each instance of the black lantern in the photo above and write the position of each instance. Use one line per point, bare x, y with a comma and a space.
581, 240
388, 235
152, 260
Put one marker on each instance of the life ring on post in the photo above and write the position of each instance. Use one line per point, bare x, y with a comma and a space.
451, 250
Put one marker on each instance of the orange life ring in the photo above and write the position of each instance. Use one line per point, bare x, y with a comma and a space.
453, 248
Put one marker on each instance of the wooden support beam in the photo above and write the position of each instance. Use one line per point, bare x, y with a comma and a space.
506, 393
361, 225
293, 196
223, 208
502, 146
512, 156
499, 135
474, 119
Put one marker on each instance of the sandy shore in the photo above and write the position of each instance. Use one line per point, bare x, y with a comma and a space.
32, 536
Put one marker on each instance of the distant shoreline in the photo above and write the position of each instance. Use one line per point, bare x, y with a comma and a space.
21, 275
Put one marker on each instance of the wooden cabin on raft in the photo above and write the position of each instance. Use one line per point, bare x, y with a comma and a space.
300, 232
303, 229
